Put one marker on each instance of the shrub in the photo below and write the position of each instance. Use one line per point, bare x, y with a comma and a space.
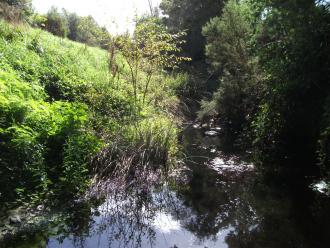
78, 151
27, 125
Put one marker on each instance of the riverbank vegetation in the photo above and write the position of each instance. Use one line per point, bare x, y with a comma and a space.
271, 59
89, 118
73, 112
66, 106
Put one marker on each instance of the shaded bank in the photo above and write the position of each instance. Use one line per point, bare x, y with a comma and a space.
214, 208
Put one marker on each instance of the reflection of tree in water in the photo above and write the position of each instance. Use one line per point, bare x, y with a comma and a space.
128, 213
213, 204
252, 214
287, 220
255, 216
126, 218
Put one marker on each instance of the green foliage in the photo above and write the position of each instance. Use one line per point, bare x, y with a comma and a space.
52, 62
89, 32
16, 10
156, 133
27, 123
273, 61
147, 145
298, 79
73, 23
191, 16
110, 107
17, 2
78, 150
150, 50
60, 105
267, 126
57, 23
229, 39
230, 52
34, 131
77, 28
165, 89
9, 33
38, 20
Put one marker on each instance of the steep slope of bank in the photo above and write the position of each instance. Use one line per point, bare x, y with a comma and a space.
61, 105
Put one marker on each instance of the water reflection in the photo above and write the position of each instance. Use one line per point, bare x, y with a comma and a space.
223, 209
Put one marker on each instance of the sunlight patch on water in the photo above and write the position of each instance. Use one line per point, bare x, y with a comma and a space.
165, 223
321, 187
229, 165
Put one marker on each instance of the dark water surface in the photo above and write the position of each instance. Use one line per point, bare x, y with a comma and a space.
224, 205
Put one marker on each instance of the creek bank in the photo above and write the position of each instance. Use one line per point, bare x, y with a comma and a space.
15, 220
205, 210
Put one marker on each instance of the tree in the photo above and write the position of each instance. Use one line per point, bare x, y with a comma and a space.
294, 52
229, 50
16, 10
190, 16
150, 49
273, 60
89, 32
57, 23
73, 23
23, 4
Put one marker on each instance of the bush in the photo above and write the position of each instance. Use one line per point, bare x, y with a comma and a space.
78, 151
27, 125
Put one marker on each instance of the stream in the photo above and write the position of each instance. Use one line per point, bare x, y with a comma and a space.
220, 201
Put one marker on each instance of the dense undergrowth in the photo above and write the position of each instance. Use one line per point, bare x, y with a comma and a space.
273, 94
61, 108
